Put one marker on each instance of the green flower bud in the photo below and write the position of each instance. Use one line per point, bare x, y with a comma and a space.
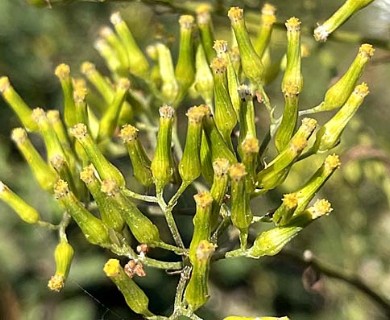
185, 67
247, 116
251, 62
138, 157
60, 165
277, 170
22, 209
134, 296
216, 143
190, 164
224, 113
109, 212
271, 242
329, 135
138, 64
218, 188
52, 144
93, 228
268, 19
289, 118
43, 173
117, 47
250, 150
102, 85
201, 220
241, 213
170, 87
109, 55
204, 82
293, 76
162, 163
284, 212
141, 227
221, 48
109, 121
106, 90
63, 74
337, 95
310, 188
63, 256
17, 104
196, 293
205, 159
342, 14
79, 97
203, 19
53, 116
105, 169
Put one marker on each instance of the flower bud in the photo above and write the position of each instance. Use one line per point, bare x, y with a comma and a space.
205, 160
190, 165
79, 96
251, 62
342, 14
263, 37
109, 213
63, 256
247, 116
293, 76
250, 150
170, 87
52, 144
284, 212
206, 32
289, 118
102, 85
138, 157
329, 135
216, 143
196, 293
17, 104
204, 82
117, 47
241, 213
141, 227
185, 67
201, 220
224, 113
133, 294
138, 64
44, 174
22, 209
218, 188
277, 170
310, 188
162, 163
221, 48
109, 55
93, 228
271, 242
109, 121
337, 95
105, 169
63, 74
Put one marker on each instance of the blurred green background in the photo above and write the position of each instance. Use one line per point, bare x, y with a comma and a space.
355, 237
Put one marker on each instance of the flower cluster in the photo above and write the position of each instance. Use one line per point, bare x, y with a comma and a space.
223, 157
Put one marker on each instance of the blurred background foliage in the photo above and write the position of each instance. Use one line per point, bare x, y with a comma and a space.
354, 238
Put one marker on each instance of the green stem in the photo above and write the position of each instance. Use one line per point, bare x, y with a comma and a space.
170, 220
134, 195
